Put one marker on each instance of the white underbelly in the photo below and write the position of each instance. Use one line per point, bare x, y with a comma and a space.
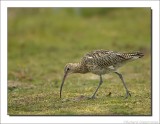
102, 71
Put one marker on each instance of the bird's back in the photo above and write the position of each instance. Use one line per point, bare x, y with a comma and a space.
105, 61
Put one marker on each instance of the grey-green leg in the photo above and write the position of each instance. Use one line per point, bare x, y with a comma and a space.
124, 84
101, 81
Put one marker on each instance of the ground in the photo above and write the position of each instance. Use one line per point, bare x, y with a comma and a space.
41, 42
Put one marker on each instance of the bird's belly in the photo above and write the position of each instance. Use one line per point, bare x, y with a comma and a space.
102, 71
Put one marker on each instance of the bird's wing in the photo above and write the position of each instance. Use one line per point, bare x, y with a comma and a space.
104, 58
97, 58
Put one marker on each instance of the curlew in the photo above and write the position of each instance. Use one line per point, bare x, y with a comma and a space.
101, 62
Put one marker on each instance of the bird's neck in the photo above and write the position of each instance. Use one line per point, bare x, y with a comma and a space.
79, 68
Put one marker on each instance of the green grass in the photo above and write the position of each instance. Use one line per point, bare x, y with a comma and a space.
42, 41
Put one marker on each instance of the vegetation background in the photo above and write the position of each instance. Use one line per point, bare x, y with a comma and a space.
42, 40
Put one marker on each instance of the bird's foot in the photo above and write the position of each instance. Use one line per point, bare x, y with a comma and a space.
127, 94
92, 97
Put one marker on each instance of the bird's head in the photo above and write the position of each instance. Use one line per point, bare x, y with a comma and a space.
69, 69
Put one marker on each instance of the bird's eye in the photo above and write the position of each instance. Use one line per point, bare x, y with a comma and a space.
68, 69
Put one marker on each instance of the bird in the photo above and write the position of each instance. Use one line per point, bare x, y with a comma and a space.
101, 62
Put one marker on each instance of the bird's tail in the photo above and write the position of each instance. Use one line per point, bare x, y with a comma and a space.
135, 55
130, 56
138, 54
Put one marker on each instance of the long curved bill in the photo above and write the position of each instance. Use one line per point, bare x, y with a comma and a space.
64, 77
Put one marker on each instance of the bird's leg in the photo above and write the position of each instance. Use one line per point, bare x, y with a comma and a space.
101, 81
124, 84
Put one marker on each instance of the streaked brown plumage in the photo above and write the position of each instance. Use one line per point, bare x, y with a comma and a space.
101, 62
